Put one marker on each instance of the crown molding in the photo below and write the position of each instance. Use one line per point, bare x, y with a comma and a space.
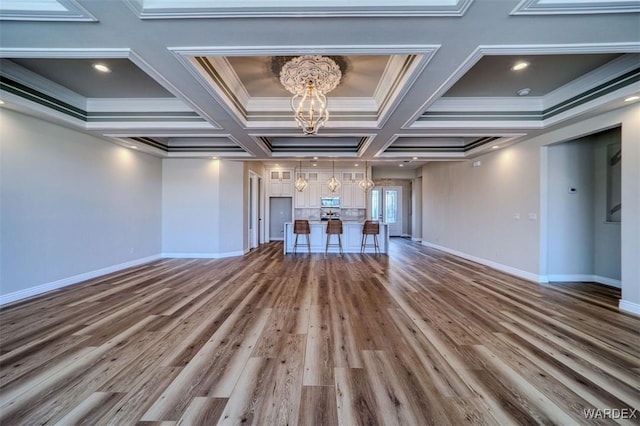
611, 70
487, 104
123, 105
68, 10
480, 51
47, 87
293, 9
564, 7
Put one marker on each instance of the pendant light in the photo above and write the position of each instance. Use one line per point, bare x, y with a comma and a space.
333, 184
366, 184
301, 182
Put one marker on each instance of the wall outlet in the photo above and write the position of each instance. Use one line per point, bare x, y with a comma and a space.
573, 190
533, 216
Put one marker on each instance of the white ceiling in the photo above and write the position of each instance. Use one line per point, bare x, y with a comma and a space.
424, 79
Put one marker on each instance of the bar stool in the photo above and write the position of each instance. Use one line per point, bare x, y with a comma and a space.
301, 227
334, 227
370, 227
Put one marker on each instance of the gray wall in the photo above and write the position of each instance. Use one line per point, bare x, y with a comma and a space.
71, 203
204, 208
582, 245
190, 206
484, 211
471, 211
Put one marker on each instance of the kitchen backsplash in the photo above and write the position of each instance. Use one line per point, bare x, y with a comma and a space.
345, 214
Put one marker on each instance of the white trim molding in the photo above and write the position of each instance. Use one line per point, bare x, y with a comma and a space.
631, 307
529, 276
205, 255
589, 278
54, 285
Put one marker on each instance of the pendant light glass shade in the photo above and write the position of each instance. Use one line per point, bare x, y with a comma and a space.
301, 183
366, 184
333, 184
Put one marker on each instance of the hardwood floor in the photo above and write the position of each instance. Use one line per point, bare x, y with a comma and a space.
414, 338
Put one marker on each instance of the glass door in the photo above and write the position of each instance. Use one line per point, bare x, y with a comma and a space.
386, 206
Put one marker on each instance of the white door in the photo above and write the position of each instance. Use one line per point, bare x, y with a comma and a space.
386, 206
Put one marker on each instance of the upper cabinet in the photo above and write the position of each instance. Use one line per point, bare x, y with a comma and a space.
310, 197
281, 183
352, 196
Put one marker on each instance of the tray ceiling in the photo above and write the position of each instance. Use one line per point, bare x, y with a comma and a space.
424, 80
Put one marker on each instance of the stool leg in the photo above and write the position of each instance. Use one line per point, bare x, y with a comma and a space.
308, 244
362, 243
295, 244
326, 246
340, 243
375, 241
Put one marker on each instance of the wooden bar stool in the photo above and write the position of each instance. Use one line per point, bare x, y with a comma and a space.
370, 227
301, 227
334, 227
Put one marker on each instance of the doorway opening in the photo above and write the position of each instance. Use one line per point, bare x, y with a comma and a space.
386, 206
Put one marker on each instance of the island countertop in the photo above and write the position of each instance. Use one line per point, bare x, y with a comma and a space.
351, 238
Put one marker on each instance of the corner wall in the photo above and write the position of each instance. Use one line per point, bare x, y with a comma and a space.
472, 213
72, 207
203, 208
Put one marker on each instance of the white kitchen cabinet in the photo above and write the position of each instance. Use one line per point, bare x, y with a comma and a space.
310, 197
281, 183
352, 196
324, 189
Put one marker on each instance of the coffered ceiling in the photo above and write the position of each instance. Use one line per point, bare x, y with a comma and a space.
422, 80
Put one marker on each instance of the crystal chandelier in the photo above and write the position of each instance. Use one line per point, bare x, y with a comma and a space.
309, 78
366, 184
333, 184
301, 182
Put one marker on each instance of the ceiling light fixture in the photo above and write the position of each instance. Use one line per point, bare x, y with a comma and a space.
301, 182
1, 102
495, 147
101, 68
524, 92
366, 184
632, 98
333, 184
520, 66
310, 78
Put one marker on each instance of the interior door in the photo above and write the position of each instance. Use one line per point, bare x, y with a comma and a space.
386, 206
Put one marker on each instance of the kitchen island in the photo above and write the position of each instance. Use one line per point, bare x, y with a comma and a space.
351, 238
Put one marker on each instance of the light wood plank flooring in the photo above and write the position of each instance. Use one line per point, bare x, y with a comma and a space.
414, 338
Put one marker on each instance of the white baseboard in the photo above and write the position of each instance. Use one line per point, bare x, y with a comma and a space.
500, 267
416, 239
54, 285
633, 308
205, 255
584, 278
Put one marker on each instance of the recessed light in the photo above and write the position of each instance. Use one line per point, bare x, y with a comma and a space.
315, 158
133, 147
214, 158
495, 147
356, 165
101, 68
401, 165
632, 98
415, 158
314, 164
520, 66
524, 92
